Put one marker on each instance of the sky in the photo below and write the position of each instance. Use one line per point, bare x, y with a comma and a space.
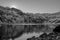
33, 6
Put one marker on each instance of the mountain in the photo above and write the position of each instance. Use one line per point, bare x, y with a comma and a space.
13, 15
10, 15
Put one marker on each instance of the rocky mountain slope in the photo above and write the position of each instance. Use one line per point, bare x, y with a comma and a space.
13, 15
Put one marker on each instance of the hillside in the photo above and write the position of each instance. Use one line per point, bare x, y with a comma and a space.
10, 15
13, 15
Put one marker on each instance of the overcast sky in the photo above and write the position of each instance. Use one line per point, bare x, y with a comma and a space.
33, 6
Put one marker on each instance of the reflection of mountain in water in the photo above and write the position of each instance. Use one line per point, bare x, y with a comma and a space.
29, 35
55, 35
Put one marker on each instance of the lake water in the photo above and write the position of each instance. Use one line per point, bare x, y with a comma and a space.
29, 35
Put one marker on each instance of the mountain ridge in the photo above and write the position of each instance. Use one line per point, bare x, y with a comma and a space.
17, 15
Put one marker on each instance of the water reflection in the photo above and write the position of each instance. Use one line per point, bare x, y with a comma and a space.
29, 35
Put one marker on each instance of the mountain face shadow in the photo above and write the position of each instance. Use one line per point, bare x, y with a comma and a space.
57, 29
